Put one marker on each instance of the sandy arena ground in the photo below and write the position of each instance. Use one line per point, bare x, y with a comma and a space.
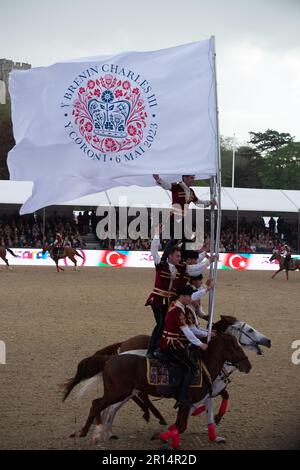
50, 321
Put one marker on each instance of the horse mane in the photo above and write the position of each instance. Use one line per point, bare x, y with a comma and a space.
222, 325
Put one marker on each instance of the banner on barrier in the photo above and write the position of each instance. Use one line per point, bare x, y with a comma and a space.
138, 259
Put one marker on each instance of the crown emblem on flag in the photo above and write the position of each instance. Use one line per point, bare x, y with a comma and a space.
109, 116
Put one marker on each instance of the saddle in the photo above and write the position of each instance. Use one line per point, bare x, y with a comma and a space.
165, 374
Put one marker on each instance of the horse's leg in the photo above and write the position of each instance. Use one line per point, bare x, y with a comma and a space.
72, 258
275, 274
139, 401
223, 407
178, 428
287, 274
108, 416
7, 264
149, 406
98, 406
212, 435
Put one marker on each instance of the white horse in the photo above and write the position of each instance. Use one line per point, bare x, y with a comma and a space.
247, 337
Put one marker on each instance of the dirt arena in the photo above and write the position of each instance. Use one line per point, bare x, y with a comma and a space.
50, 321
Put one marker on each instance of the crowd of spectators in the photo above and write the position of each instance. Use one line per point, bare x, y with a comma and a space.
27, 231
247, 237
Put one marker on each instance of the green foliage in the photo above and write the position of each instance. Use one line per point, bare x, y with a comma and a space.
6, 139
269, 140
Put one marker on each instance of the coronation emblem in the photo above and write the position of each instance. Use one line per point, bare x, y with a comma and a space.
110, 114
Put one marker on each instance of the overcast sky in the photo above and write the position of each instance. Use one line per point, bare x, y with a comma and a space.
258, 46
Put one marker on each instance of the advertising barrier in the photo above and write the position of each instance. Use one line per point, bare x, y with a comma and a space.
137, 259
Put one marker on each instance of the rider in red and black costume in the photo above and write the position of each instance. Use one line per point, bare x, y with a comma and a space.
182, 196
175, 340
58, 243
286, 251
169, 270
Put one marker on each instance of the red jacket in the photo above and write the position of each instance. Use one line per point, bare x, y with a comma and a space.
172, 334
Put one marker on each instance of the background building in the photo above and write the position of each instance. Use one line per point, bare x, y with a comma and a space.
6, 66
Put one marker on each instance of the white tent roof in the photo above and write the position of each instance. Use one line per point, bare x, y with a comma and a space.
242, 199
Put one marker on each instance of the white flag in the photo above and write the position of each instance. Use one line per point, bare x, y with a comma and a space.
84, 126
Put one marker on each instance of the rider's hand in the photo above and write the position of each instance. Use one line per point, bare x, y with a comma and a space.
203, 347
156, 177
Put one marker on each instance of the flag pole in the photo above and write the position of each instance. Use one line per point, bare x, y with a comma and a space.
215, 189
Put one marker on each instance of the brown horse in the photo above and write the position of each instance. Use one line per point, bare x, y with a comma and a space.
67, 252
247, 336
3, 251
294, 264
126, 374
91, 366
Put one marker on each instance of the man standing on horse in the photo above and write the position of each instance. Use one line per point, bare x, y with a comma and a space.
57, 244
182, 196
286, 251
168, 271
175, 340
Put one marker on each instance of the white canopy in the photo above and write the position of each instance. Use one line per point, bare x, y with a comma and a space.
242, 199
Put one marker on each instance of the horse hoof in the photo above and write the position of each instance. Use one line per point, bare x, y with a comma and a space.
219, 440
73, 434
163, 422
155, 436
113, 437
146, 417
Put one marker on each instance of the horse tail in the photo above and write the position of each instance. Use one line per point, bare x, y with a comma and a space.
11, 252
78, 254
86, 369
110, 350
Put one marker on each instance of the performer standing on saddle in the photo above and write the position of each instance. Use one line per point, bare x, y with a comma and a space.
176, 338
182, 196
168, 271
286, 251
58, 243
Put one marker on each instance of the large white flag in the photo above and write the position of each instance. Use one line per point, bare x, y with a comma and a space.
84, 126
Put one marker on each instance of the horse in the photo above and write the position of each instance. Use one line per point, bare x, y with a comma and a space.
66, 252
3, 251
294, 264
246, 335
124, 376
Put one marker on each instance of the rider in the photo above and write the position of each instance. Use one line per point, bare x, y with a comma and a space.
199, 291
176, 338
58, 243
287, 253
168, 271
182, 196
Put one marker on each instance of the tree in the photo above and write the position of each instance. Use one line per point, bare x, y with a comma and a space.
7, 140
269, 140
281, 168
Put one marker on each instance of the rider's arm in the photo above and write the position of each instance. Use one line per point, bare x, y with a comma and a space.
164, 184
190, 336
154, 249
196, 269
199, 293
198, 331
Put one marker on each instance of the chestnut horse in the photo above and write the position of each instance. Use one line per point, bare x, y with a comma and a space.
294, 264
125, 375
67, 252
247, 336
3, 251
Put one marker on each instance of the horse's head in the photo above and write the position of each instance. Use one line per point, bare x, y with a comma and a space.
246, 335
234, 354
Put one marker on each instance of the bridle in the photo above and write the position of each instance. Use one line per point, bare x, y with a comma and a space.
241, 332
